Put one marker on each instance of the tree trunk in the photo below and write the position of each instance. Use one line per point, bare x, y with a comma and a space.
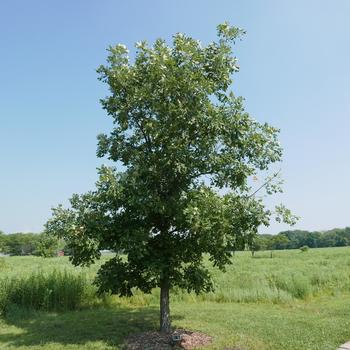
165, 325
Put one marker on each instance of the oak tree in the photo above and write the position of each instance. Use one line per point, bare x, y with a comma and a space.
188, 149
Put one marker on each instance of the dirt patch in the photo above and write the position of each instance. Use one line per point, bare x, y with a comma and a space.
159, 341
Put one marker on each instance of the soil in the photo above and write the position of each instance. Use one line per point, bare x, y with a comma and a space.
160, 341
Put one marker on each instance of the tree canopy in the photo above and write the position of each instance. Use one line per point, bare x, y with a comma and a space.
188, 149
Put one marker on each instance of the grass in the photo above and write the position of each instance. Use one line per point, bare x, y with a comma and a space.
296, 300
50, 291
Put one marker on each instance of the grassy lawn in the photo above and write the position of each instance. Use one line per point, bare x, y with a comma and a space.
316, 325
292, 301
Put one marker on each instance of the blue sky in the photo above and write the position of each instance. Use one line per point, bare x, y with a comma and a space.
295, 74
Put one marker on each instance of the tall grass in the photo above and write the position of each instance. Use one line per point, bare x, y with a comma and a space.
288, 276
2, 263
51, 291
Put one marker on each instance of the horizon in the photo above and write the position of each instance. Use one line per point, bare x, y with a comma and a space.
293, 74
259, 233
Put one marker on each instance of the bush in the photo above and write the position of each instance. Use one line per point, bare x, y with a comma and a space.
53, 291
304, 248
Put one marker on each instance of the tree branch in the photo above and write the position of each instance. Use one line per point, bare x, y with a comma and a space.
147, 140
264, 184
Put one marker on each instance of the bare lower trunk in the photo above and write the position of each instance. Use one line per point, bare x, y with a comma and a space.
165, 325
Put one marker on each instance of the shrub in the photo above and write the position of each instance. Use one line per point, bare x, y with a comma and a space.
304, 248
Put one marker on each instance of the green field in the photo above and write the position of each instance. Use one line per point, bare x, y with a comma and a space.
295, 300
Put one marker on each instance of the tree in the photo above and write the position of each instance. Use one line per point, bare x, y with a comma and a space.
256, 244
182, 136
2, 241
20, 243
47, 246
260, 242
280, 241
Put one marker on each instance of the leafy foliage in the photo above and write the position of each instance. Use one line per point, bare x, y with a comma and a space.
39, 244
19, 243
188, 148
47, 246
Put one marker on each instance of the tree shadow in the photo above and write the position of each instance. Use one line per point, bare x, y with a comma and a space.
106, 325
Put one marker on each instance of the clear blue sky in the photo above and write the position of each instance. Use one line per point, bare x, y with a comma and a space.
295, 74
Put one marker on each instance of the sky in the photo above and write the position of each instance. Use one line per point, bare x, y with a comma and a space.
295, 75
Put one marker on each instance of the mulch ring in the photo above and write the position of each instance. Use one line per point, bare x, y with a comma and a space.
160, 341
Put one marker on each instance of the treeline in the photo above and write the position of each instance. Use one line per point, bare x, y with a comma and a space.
38, 244
297, 238
41, 244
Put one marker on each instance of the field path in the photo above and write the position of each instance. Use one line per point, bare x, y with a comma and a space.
345, 346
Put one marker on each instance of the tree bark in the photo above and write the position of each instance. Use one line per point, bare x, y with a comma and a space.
165, 325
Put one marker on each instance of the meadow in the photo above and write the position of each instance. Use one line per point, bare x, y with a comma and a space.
294, 300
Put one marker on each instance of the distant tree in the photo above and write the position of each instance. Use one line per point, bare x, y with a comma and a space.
2, 241
340, 240
254, 246
259, 242
280, 241
299, 238
181, 136
295, 239
21, 243
47, 246
331, 238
